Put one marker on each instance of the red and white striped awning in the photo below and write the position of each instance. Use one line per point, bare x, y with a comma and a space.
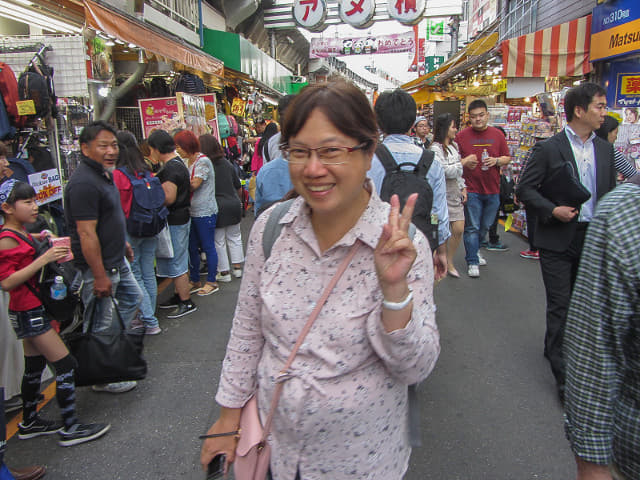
558, 51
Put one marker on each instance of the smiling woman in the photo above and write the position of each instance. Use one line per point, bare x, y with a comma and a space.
343, 409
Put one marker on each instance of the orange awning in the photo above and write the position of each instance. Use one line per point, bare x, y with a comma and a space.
130, 31
558, 51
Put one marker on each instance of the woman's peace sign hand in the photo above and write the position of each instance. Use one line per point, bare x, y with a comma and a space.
394, 255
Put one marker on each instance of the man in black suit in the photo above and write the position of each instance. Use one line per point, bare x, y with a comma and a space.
561, 228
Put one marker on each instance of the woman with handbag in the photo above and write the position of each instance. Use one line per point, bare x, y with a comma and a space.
18, 269
336, 317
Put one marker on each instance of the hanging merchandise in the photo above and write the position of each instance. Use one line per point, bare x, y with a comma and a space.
237, 107
223, 126
9, 92
190, 83
158, 88
36, 84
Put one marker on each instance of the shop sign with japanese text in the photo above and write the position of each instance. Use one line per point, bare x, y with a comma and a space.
357, 13
408, 12
615, 29
310, 14
334, 47
435, 30
47, 185
159, 113
624, 85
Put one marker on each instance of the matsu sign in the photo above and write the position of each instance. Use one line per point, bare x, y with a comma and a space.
310, 14
408, 12
357, 13
47, 185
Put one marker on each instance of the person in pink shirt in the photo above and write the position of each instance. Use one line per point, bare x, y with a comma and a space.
343, 410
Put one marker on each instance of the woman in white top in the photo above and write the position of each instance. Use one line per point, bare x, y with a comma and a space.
446, 152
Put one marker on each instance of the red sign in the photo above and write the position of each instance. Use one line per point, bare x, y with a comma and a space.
159, 113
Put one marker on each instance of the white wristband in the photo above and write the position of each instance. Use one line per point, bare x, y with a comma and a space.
398, 305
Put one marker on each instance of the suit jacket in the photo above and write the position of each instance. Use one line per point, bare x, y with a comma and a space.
547, 157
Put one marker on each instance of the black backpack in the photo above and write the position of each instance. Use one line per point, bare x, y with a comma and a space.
406, 182
148, 214
61, 310
33, 86
507, 189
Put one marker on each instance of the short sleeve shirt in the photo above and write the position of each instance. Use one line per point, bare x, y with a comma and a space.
471, 141
92, 195
176, 172
203, 201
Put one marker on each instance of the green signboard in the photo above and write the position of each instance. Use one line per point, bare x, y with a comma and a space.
433, 63
435, 30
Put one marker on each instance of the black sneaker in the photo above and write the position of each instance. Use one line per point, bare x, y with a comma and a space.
183, 309
81, 433
173, 302
39, 426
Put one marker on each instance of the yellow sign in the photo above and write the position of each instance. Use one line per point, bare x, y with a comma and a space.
26, 107
237, 107
501, 86
624, 38
630, 84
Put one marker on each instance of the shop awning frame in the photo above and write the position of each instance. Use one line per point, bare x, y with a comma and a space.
474, 53
558, 51
163, 44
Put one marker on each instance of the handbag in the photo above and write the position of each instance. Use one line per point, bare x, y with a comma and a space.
253, 452
165, 247
107, 357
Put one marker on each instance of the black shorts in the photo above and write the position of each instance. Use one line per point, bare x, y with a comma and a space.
30, 323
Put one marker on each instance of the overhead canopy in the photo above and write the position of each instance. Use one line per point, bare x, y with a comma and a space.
464, 58
131, 31
558, 51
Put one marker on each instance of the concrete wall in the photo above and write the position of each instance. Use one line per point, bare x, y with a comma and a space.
554, 12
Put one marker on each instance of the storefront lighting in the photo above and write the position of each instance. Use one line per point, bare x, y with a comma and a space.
103, 91
25, 15
132, 45
21, 19
109, 43
476, 83
24, 2
119, 42
495, 81
577, 82
527, 99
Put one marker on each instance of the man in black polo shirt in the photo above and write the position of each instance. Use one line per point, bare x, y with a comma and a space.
98, 235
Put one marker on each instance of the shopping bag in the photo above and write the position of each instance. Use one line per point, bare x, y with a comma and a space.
107, 357
165, 247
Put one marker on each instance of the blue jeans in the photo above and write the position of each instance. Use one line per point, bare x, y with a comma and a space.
125, 290
479, 213
144, 256
203, 230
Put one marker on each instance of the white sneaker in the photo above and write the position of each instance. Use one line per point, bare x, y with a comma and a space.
223, 278
237, 272
481, 260
117, 387
474, 271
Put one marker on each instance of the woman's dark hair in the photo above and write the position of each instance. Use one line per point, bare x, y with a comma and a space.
210, 147
441, 128
608, 126
20, 191
130, 155
269, 132
187, 141
344, 104
396, 112
581, 96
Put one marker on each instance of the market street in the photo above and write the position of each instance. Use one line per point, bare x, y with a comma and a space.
489, 410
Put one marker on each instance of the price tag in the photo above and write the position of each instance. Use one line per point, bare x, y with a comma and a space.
26, 107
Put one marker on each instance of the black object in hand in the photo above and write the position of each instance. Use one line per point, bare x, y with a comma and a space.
216, 467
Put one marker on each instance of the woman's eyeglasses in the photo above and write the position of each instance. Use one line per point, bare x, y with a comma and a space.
326, 155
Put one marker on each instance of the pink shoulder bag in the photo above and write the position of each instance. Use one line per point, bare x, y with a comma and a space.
253, 452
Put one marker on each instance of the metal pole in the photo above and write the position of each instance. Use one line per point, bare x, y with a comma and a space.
455, 27
272, 43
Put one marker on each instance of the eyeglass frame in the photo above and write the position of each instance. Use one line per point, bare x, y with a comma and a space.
284, 148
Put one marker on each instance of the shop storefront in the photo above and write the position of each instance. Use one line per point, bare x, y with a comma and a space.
615, 53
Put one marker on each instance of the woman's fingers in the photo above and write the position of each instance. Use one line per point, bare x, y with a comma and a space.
407, 212
394, 212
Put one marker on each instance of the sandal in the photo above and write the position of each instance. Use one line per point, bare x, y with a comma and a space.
195, 287
208, 289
